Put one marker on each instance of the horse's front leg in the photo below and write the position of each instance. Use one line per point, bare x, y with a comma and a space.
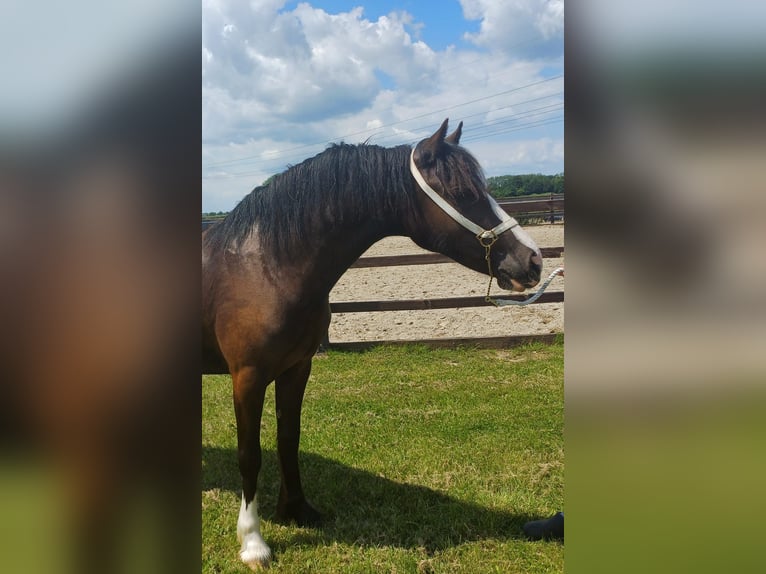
249, 392
290, 387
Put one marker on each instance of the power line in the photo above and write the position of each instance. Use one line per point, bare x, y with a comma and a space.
474, 134
397, 138
398, 122
516, 129
467, 138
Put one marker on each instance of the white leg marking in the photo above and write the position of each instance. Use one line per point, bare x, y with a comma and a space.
255, 553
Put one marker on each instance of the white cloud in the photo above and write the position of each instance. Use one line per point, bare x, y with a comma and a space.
305, 63
521, 27
278, 84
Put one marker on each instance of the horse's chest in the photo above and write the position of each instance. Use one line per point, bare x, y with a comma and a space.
309, 322
301, 331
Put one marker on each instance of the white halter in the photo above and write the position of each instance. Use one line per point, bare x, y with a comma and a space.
486, 237
506, 221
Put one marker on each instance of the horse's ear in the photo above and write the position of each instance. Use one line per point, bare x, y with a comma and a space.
429, 148
454, 137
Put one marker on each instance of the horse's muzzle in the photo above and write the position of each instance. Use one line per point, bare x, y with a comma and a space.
513, 277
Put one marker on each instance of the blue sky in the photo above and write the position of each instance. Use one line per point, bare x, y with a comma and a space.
283, 79
442, 21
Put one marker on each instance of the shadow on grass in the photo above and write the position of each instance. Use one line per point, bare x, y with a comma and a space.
362, 508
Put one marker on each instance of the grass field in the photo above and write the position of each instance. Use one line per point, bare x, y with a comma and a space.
420, 460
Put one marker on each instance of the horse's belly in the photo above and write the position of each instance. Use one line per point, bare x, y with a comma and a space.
274, 339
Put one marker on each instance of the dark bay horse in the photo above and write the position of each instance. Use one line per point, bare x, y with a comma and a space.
269, 266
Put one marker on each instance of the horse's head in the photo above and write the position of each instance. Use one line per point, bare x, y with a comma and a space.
456, 215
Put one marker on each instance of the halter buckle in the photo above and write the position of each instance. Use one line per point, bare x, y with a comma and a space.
487, 238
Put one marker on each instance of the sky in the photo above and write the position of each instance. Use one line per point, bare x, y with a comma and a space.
281, 80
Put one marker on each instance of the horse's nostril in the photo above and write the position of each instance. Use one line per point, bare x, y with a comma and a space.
535, 267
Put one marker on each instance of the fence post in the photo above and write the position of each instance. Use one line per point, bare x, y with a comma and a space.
553, 216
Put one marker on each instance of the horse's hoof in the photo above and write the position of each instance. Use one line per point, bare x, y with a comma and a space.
300, 512
256, 557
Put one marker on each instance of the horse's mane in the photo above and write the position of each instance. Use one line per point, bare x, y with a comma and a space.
344, 185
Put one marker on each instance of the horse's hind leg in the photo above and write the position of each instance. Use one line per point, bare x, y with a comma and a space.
290, 387
249, 392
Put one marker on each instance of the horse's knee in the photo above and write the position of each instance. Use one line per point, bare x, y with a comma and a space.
288, 429
249, 458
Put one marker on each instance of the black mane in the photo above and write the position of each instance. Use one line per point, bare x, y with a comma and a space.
344, 185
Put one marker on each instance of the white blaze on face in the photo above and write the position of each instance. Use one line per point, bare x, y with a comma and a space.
517, 231
255, 553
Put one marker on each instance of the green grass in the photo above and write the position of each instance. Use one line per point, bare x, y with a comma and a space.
420, 460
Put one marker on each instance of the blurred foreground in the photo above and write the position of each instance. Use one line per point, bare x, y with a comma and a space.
99, 219
666, 306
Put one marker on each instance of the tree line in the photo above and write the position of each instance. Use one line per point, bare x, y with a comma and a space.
527, 184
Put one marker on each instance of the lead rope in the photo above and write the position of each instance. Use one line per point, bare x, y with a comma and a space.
487, 242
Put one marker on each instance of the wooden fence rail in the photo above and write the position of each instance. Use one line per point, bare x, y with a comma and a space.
438, 303
528, 205
426, 258
506, 342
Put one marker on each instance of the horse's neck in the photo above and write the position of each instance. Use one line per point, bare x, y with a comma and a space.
334, 253
338, 242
